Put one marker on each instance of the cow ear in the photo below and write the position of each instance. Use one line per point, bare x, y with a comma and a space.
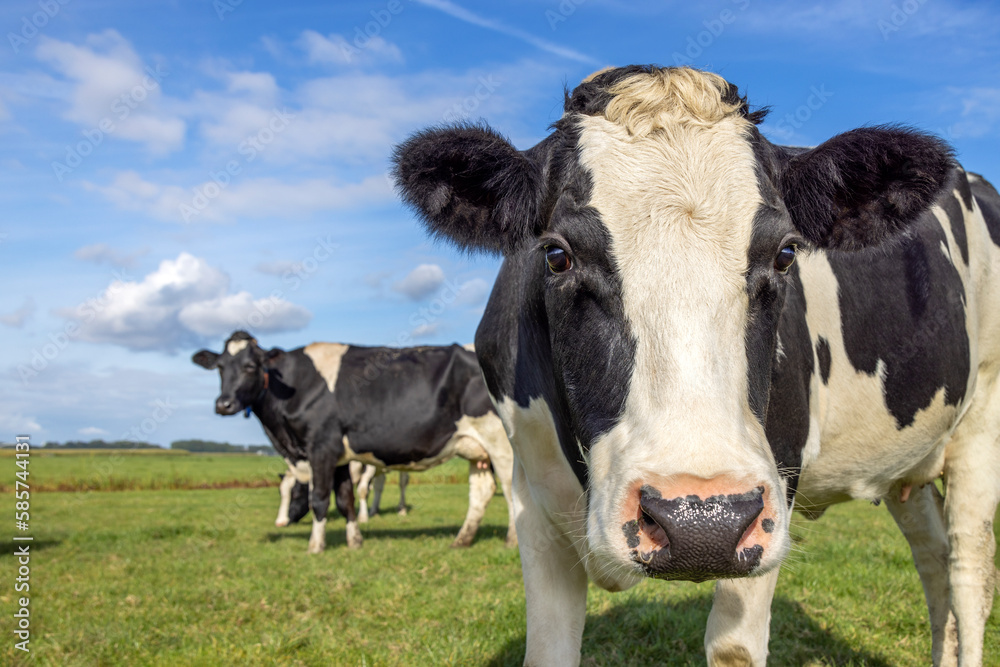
273, 356
471, 186
205, 359
862, 187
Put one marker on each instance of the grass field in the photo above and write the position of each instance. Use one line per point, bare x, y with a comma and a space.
202, 577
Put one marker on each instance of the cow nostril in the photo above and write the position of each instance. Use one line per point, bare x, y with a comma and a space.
652, 529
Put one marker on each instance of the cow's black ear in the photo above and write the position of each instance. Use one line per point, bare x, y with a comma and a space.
205, 359
862, 187
469, 185
274, 356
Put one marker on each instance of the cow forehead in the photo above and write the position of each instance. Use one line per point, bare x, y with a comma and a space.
679, 205
234, 347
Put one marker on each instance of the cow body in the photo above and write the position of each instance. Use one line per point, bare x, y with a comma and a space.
327, 404
674, 382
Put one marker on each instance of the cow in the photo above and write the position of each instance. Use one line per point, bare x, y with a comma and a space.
363, 477
326, 404
695, 330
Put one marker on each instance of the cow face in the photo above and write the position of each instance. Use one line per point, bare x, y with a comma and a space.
242, 370
650, 244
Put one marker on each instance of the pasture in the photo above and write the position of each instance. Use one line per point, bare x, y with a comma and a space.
167, 573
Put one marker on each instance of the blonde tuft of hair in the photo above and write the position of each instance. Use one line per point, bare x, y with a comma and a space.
648, 101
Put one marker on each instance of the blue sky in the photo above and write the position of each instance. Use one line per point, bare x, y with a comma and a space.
175, 170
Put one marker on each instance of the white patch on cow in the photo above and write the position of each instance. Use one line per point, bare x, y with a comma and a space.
737, 631
285, 488
364, 483
863, 452
553, 485
234, 347
550, 509
779, 353
676, 187
354, 539
471, 347
326, 358
948, 247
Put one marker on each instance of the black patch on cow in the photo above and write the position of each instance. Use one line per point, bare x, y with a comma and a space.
964, 190
823, 356
956, 219
989, 203
921, 339
562, 338
767, 525
631, 531
778, 388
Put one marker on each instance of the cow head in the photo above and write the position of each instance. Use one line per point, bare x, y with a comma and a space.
650, 244
242, 367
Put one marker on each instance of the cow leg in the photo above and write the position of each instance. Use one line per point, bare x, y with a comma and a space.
344, 486
494, 440
555, 583
740, 621
972, 474
377, 486
481, 488
921, 520
324, 478
364, 483
404, 479
287, 483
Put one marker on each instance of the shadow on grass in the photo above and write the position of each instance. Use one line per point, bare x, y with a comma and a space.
336, 535
673, 634
35, 546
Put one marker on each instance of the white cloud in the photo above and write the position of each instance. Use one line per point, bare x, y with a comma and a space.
336, 50
217, 317
110, 86
180, 304
18, 424
980, 112
101, 253
278, 267
250, 198
473, 292
465, 15
421, 282
92, 431
425, 330
19, 317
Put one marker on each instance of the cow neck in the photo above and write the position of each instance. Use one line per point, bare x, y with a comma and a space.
263, 390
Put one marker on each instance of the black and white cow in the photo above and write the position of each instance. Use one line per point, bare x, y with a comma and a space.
694, 329
326, 404
364, 477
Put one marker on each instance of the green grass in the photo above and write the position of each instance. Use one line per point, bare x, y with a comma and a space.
135, 470
202, 577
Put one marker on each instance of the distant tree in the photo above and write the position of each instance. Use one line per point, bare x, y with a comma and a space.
196, 445
101, 444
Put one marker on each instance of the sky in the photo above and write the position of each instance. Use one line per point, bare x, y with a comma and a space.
177, 170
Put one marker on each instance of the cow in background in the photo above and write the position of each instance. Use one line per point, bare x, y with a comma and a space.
327, 404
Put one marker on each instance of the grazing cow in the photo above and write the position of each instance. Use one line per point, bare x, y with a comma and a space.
326, 404
695, 329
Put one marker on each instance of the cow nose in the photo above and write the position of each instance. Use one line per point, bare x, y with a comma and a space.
693, 539
224, 406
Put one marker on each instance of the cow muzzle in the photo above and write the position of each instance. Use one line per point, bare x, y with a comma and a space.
226, 406
697, 534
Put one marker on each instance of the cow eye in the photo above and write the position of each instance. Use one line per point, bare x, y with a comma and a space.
557, 259
785, 258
